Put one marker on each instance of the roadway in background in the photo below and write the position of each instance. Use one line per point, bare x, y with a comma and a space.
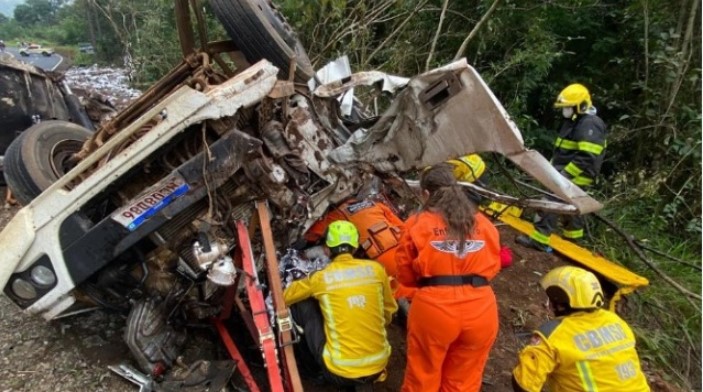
47, 63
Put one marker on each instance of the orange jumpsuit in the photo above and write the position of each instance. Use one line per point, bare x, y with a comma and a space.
379, 232
451, 329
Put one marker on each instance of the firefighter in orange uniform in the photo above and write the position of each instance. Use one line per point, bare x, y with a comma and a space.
379, 231
450, 252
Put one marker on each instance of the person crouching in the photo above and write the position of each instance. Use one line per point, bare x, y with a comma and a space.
343, 310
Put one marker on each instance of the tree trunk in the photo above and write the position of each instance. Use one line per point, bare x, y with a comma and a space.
436, 35
90, 16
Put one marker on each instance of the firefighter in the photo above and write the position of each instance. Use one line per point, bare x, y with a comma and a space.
379, 230
578, 154
585, 348
468, 168
450, 252
343, 310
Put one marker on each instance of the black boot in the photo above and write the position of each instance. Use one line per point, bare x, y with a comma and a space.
530, 243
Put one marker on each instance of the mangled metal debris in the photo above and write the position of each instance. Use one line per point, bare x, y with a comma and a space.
159, 213
443, 114
156, 195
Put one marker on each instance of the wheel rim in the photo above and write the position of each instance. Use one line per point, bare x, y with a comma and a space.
61, 158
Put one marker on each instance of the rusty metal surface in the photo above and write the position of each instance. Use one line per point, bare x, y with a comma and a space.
184, 27
195, 71
282, 89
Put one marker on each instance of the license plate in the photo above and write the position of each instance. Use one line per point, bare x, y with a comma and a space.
150, 202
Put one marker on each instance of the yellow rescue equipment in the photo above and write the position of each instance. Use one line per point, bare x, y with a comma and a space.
625, 280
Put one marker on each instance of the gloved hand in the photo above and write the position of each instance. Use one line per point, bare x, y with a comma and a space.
506, 257
299, 244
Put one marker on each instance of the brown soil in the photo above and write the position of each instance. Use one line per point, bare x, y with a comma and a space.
522, 309
73, 353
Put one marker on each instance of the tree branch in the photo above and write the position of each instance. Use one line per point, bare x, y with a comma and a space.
396, 31
436, 35
484, 18
685, 54
668, 256
455, 13
638, 251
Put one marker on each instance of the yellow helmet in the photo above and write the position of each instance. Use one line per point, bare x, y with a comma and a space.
580, 286
342, 232
576, 95
468, 168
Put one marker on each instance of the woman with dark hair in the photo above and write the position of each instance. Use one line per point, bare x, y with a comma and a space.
450, 252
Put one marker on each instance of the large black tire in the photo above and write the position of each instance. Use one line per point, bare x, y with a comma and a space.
261, 32
40, 155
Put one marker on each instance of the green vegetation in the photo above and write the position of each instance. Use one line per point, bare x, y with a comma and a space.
640, 58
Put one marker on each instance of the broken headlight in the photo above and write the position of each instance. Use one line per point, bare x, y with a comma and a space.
26, 287
43, 276
23, 289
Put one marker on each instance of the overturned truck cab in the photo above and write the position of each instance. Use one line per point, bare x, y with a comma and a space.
146, 213
163, 212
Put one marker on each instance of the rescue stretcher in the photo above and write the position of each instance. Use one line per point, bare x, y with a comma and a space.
625, 280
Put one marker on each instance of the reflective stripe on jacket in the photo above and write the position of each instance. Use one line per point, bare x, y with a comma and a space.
356, 302
580, 148
585, 351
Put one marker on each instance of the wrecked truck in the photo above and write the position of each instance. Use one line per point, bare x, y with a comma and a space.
29, 95
173, 211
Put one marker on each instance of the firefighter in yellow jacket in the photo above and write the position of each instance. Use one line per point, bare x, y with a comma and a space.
468, 168
344, 328
585, 348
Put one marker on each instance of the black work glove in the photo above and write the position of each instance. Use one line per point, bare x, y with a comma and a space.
299, 244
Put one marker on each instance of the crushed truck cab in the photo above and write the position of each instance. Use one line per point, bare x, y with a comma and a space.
157, 213
426, 124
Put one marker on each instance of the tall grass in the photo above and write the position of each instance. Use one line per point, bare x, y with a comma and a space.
667, 325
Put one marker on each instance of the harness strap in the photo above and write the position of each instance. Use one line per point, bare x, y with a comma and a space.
453, 280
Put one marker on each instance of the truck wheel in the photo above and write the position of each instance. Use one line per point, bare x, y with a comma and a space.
261, 32
40, 155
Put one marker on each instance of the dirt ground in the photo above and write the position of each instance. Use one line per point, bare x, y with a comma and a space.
72, 354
